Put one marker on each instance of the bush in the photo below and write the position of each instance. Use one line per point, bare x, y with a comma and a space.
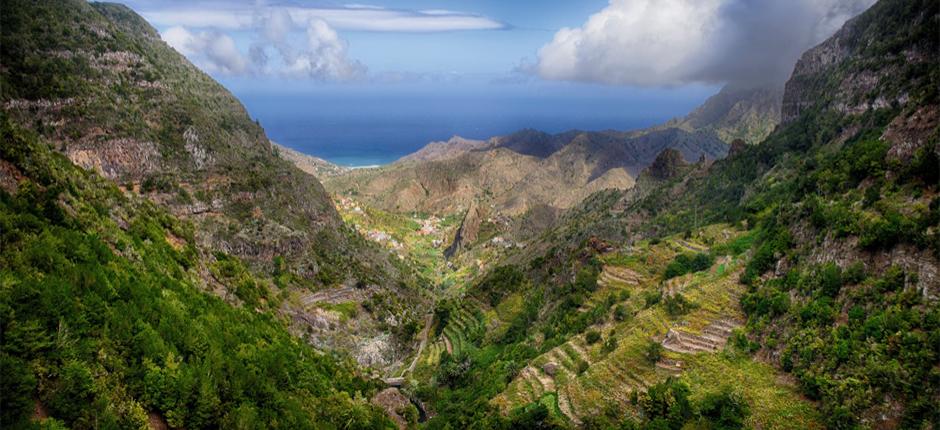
651, 298
677, 304
688, 263
592, 337
653, 352
726, 409
610, 344
620, 313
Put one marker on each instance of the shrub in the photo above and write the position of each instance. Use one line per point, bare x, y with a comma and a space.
592, 337
688, 263
610, 344
653, 352
620, 313
677, 305
726, 409
651, 298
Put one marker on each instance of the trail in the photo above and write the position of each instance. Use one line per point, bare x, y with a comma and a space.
424, 340
450, 348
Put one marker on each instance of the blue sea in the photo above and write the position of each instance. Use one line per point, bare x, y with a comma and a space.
358, 127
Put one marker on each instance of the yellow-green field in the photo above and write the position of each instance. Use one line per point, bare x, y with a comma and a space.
589, 377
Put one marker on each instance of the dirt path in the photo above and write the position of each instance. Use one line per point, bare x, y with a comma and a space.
424, 340
450, 348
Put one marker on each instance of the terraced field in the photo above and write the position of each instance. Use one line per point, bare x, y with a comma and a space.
456, 337
586, 378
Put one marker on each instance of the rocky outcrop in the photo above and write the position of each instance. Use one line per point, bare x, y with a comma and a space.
667, 164
737, 146
395, 405
468, 231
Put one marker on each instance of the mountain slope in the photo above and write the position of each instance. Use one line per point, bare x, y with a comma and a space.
736, 112
520, 171
95, 81
143, 116
820, 244
531, 170
106, 325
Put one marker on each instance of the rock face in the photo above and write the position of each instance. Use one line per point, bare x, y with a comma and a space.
667, 164
468, 231
395, 404
835, 75
737, 146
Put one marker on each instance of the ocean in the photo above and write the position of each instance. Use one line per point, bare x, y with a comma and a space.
363, 128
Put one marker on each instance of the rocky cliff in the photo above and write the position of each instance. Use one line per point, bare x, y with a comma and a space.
881, 59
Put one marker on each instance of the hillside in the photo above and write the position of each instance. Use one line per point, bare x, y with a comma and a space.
769, 261
528, 178
749, 113
316, 167
530, 169
98, 85
518, 172
106, 322
808, 262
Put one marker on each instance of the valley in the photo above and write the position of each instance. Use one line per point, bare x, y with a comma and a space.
770, 260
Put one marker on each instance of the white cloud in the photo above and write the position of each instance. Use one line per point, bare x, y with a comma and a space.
213, 51
325, 57
356, 17
321, 54
674, 42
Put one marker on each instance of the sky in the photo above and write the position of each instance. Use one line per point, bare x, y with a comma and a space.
474, 67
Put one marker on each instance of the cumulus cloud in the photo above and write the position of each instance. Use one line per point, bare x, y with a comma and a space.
324, 57
321, 54
675, 42
213, 51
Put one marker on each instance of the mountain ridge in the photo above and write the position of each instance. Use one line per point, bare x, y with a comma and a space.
100, 86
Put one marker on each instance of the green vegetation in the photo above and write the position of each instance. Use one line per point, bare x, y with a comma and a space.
626, 313
668, 405
104, 320
688, 263
884, 345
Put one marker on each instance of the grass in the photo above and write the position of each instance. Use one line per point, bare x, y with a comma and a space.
775, 404
713, 292
346, 310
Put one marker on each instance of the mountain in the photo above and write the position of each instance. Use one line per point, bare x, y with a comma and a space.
163, 264
814, 251
97, 84
106, 322
313, 166
520, 171
532, 170
745, 112
529, 177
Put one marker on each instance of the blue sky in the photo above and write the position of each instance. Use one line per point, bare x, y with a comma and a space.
549, 64
520, 29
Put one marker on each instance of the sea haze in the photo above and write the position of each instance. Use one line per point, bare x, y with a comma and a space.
352, 126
